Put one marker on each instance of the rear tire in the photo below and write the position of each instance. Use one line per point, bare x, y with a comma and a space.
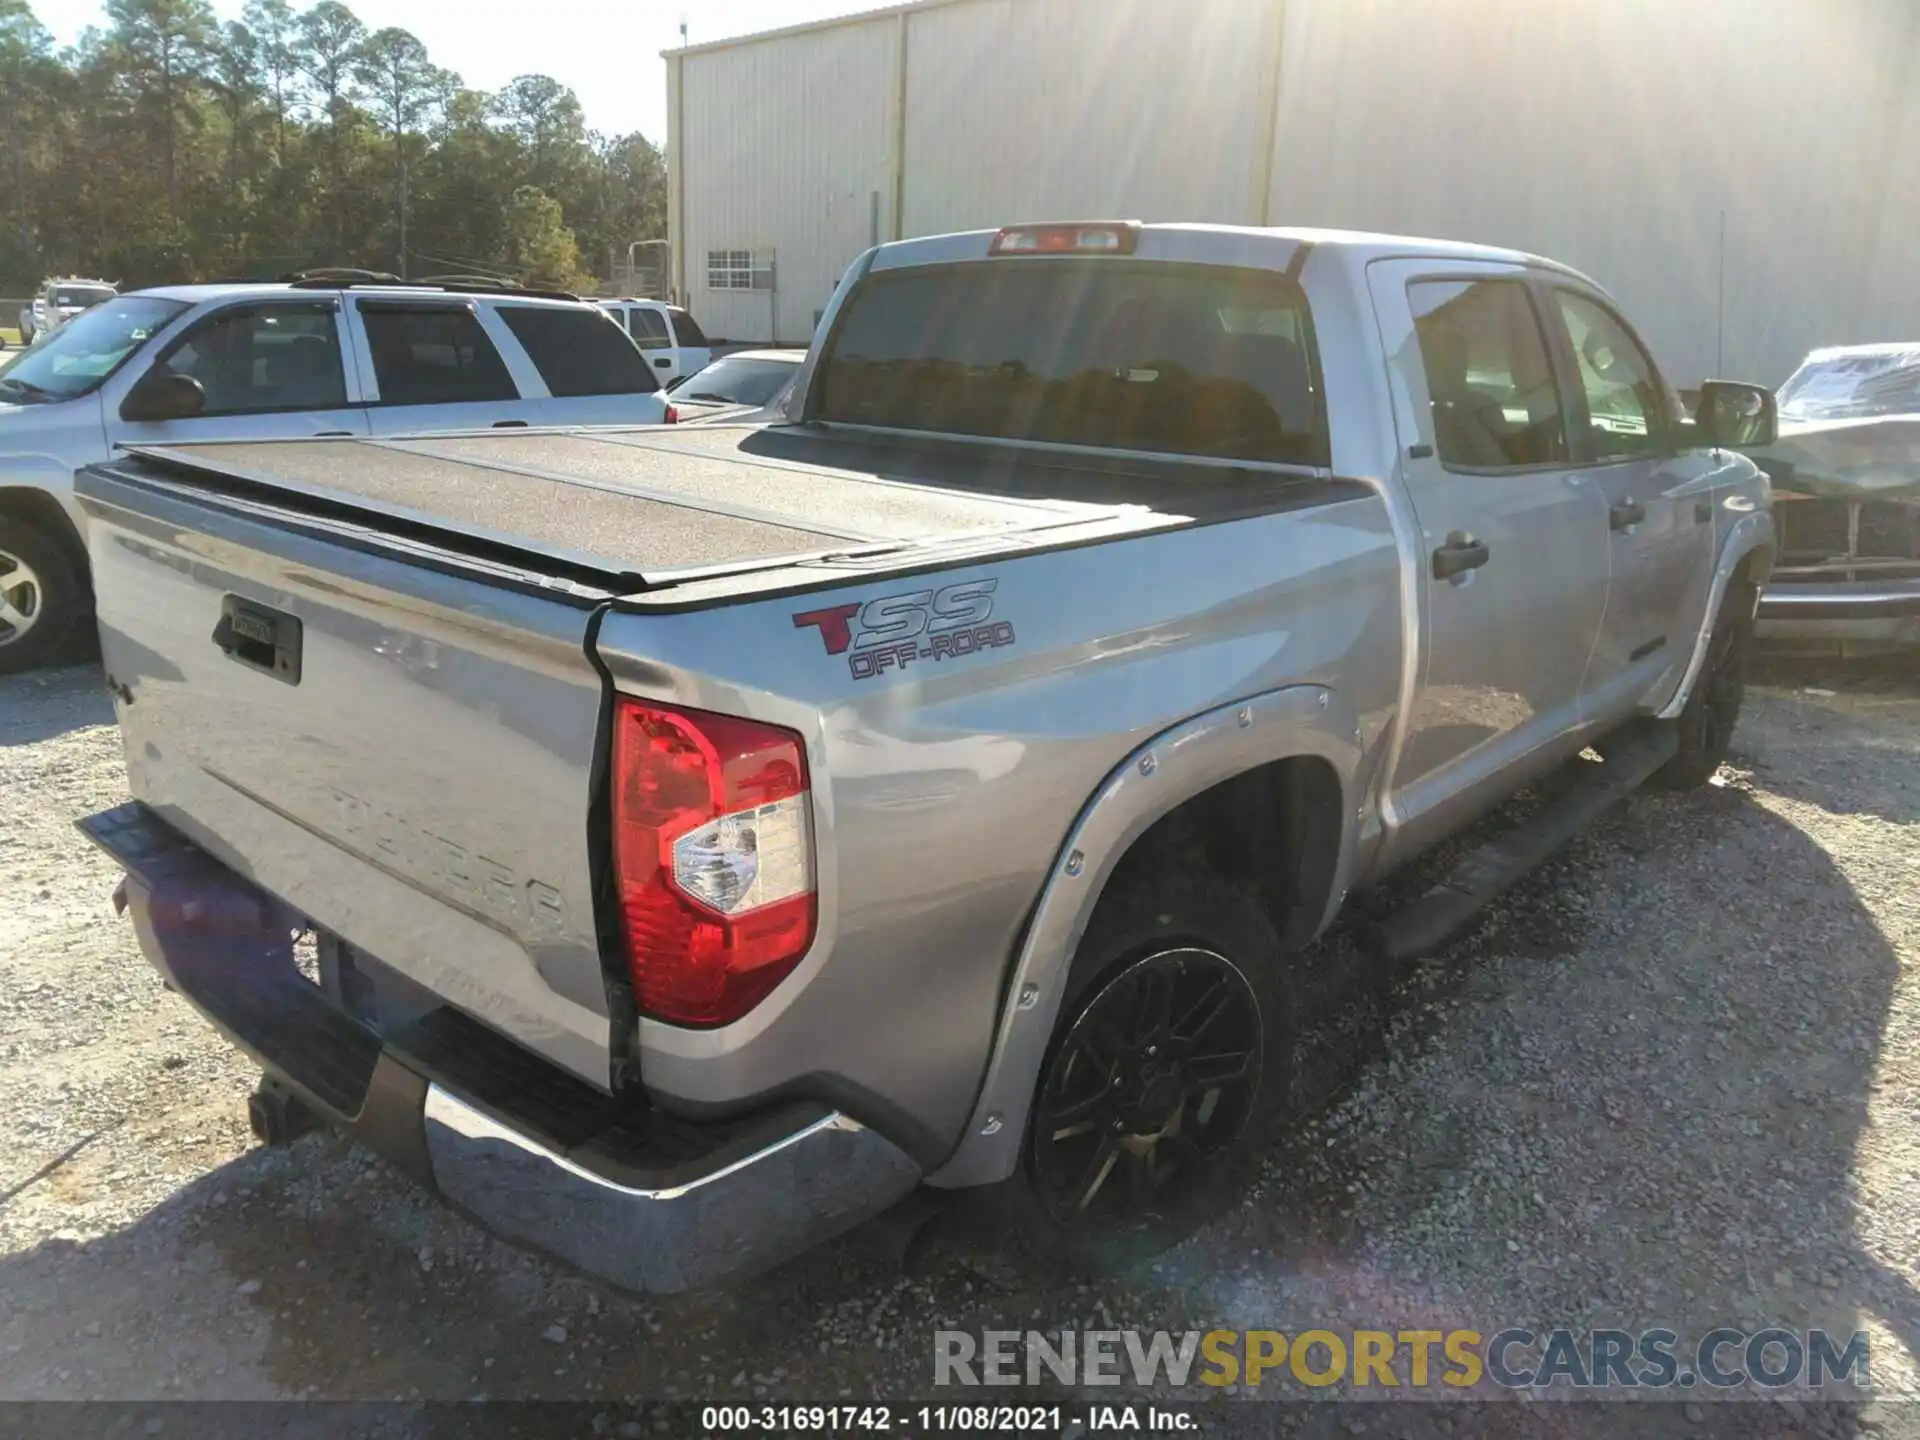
40, 597
1165, 1079
1713, 709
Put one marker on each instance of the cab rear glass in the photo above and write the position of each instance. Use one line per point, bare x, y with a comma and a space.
1104, 352
685, 328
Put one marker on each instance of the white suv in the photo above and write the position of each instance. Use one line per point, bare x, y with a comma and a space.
307, 357
674, 342
58, 302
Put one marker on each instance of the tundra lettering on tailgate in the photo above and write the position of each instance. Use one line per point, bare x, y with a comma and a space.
896, 630
413, 852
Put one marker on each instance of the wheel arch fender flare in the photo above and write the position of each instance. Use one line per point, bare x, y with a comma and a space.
37, 490
1751, 536
1157, 777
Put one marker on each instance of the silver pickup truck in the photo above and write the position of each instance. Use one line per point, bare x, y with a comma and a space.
706, 838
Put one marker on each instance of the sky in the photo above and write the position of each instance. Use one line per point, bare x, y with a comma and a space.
606, 51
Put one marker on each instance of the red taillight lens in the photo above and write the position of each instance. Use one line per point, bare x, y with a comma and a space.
713, 859
672, 418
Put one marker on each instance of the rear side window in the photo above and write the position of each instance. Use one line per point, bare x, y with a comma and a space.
433, 355
579, 352
649, 329
1183, 359
689, 332
1496, 405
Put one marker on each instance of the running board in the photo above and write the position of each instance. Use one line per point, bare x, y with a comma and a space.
1424, 925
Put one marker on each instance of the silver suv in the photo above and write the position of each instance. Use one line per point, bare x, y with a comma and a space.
318, 356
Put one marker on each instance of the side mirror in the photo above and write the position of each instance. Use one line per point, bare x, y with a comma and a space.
1736, 416
164, 396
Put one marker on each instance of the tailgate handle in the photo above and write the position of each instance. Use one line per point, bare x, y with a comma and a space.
260, 638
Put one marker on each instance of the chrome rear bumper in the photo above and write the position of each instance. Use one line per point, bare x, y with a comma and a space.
794, 1192
531, 1153
1875, 612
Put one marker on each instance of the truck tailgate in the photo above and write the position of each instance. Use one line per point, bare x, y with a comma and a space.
402, 752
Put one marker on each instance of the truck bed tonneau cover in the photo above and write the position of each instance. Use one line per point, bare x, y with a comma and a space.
664, 504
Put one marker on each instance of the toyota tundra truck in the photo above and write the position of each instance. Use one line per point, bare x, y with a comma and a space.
672, 848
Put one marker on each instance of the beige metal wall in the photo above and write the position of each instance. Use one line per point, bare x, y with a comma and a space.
1032, 109
782, 147
1612, 134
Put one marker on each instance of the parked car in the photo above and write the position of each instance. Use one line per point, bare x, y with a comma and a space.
311, 357
674, 342
58, 302
737, 383
1846, 476
713, 833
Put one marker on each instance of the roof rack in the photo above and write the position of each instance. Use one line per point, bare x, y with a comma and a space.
451, 284
336, 274
499, 282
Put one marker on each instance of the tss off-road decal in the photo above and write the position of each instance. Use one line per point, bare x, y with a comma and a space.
896, 630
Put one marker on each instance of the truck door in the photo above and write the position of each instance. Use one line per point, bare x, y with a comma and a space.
1659, 499
1514, 540
430, 364
269, 369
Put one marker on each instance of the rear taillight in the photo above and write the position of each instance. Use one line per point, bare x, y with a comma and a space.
713, 859
673, 416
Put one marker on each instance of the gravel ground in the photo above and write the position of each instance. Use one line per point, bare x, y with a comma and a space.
1670, 1082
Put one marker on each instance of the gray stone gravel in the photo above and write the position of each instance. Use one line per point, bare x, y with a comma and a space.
1670, 1082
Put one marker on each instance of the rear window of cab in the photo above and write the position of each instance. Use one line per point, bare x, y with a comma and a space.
1103, 352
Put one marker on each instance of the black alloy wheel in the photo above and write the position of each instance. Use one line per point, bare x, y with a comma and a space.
1153, 1084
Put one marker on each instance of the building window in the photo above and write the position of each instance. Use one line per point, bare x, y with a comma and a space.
740, 270
730, 270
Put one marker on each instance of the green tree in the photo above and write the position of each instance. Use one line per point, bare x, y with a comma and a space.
404, 87
326, 44
545, 117
164, 46
163, 147
628, 191
235, 76
540, 247
275, 31
27, 75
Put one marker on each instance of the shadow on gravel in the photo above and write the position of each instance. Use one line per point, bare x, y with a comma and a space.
45, 704
1664, 1127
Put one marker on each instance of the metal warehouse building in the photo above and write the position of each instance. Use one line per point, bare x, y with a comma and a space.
1743, 174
